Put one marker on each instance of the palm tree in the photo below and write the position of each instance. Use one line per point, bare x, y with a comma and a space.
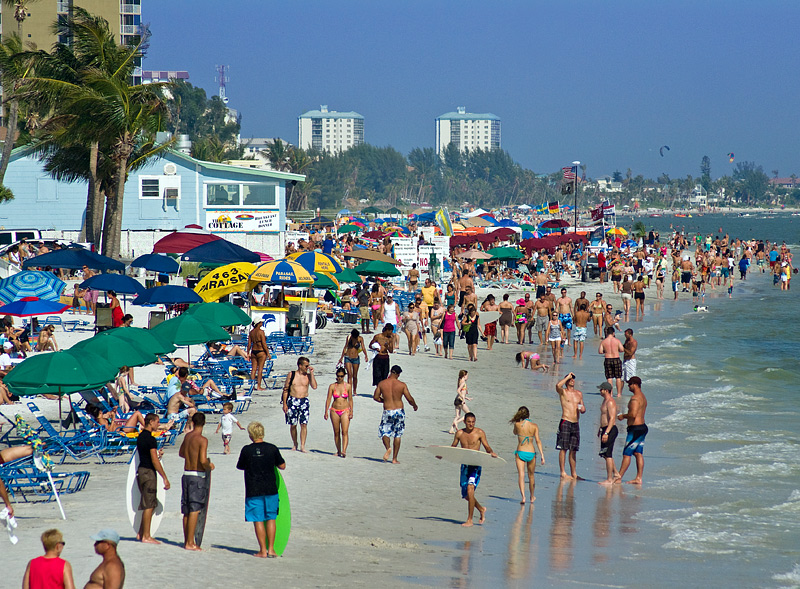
15, 68
92, 103
277, 154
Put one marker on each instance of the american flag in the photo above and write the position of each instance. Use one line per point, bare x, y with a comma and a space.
569, 174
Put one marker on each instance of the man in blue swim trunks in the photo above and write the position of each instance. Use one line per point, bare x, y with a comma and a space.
471, 438
637, 430
391, 393
564, 308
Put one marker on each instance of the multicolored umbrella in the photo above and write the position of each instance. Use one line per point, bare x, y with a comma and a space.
225, 280
31, 283
30, 306
282, 272
316, 262
617, 231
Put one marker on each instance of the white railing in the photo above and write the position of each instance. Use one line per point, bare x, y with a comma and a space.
129, 29
130, 8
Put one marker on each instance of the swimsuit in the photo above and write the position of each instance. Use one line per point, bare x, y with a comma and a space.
526, 456
607, 447
568, 436
470, 475
628, 369
579, 335
298, 410
506, 317
356, 361
566, 320
634, 444
555, 331
393, 423
613, 367
638, 296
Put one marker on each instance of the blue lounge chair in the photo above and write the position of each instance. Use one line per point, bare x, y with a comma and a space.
25, 482
75, 444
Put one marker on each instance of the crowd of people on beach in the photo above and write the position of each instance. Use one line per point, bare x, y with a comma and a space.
439, 315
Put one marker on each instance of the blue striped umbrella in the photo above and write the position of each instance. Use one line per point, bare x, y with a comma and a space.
31, 283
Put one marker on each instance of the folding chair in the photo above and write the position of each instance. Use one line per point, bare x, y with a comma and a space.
77, 445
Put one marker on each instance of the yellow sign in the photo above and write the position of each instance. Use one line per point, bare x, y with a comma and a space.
225, 280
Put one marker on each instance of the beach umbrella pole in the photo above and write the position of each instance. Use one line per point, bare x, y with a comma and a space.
40, 465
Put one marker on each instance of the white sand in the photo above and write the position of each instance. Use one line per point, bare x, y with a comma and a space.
356, 521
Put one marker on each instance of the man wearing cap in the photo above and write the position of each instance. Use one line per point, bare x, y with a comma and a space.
391, 392
608, 431
5, 357
110, 574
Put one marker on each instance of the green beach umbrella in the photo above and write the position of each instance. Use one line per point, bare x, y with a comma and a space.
145, 338
61, 369
505, 253
326, 281
348, 229
222, 314
347, 275
118, 353
377, 268
186, 330
527, 227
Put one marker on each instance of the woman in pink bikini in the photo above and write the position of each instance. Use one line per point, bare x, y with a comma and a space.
339, 405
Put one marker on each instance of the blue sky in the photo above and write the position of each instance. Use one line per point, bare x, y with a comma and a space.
606, 82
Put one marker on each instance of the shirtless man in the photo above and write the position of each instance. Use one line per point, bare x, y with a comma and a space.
611, 347
542, 309
530, 305
638, 295
637, 430
194, 483
470, 298
295, 400
471, 438
391, 393
610, 319
110, 574
597, 307
581, 300
568, 438
686, 273
174, 412
413, 278
629, 357
581, 326
541, 282
564, 309
608, 432
462, 284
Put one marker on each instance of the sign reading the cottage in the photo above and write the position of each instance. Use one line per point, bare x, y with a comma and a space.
240, 221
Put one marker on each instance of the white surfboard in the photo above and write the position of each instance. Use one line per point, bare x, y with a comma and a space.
132, 497
489, 316
465, 456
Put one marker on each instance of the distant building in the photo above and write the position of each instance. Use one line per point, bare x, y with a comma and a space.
467, 131
785, 182
255, 145
606, 185
330, 131
123, 17
162, 76
698, 197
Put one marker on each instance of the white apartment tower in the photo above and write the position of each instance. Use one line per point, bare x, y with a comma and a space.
330, 131
467, 131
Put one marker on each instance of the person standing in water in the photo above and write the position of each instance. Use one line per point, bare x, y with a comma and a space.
527, 433
471, 438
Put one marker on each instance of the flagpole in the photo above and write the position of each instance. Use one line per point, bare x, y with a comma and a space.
575, 165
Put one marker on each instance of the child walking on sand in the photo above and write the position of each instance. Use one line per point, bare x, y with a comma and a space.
226, 423
531, 359
460, 401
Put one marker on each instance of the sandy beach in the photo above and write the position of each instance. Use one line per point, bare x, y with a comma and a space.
356, 521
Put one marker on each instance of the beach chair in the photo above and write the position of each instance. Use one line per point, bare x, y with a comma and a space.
51, 320
75, 444
25, 482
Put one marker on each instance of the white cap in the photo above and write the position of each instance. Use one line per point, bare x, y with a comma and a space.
8, 346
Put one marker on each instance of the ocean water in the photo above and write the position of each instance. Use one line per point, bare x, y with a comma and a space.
720, 506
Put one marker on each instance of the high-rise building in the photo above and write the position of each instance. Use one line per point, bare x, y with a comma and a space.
330, 131
123, 16
467, 131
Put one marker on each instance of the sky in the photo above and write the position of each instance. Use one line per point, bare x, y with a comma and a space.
604, 82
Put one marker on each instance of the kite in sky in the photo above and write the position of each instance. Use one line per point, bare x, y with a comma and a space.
730, 157
661, 151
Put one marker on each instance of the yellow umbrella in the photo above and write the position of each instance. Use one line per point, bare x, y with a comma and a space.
282, 272
617, 231
225, 280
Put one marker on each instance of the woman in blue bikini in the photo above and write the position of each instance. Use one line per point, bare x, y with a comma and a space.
527, 432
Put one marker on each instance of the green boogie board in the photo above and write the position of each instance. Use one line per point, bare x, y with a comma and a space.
283, 523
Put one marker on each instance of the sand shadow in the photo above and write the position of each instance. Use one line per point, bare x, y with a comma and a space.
370, 458
322, 452
446, 520
510, 499
234, 549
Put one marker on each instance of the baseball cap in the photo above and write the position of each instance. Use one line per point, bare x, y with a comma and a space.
389, 296
8, 346
107, 535
605, 387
